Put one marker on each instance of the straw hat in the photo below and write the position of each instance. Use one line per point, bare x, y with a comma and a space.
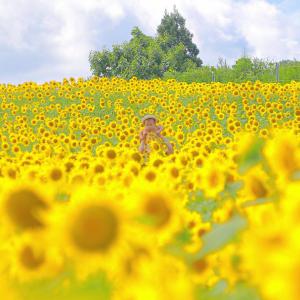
146, 117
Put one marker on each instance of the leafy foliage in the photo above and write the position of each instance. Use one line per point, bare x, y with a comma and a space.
244, 69
149, 57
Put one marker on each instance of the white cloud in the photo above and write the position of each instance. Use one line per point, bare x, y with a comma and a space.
268, 32
12, 24
65, 29
62, 29
257, 25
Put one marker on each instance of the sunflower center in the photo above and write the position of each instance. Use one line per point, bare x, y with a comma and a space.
95, 228
258, 188
287, 158
29, 259
157, 208
111, 154
200, 265
22, 207
150, 176
213, 179
174, 172
136, 156
56, 174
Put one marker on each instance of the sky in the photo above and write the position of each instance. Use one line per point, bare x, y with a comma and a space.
42, 40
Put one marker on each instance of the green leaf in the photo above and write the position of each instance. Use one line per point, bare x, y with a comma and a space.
252, 156
215, 292
204, 207
94, 287
257, 202
62, 196
240, 291
296, 175
232, 188
183, 237
221, 234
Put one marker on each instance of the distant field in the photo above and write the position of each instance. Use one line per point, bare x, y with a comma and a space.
84, 215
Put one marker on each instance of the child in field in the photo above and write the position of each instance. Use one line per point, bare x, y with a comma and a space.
152, 132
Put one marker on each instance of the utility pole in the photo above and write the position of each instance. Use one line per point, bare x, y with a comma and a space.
277, 72
213, 79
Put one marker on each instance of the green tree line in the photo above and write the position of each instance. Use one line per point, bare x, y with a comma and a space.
244, 69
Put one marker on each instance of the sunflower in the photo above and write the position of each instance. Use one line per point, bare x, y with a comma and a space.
32, 256
256, 185
171, 280
24, 205
193, 223
156, 209
56, 174
174, 172
110, 154
91, 230
268, 234
283, 155
213, 177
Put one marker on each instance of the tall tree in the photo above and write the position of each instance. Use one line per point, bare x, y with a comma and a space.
172, 31
148, 57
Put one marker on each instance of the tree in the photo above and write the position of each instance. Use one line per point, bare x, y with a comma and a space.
172, 31
100, 62
243, 68
140, 57
149, 57
222, 63
176, 60
246, 68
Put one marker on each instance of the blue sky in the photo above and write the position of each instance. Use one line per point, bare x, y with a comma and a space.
44, 40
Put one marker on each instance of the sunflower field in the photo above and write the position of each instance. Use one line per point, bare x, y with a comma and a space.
85, 215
